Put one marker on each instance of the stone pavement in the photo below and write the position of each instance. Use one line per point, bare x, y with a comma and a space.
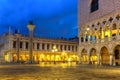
58, 72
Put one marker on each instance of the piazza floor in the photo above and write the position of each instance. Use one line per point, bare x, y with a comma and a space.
58, 72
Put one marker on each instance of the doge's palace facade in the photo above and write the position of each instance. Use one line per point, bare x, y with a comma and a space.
99, 31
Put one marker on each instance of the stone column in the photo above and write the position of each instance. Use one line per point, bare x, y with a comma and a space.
98, 55
63, 47
88, 58
31, 29
35, 46
79, 39
45, 46
111, 59
23, 45
40, 46
50, 46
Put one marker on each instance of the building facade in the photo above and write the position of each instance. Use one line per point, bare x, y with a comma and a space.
99, 32
12, 45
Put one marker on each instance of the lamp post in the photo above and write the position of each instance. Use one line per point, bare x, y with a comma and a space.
31, 29
54, 50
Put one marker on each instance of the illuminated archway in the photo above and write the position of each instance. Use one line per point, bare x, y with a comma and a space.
117, 54
84, 57
104, 56
93, 56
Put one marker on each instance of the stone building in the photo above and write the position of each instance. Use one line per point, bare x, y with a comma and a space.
99, 31
10, 46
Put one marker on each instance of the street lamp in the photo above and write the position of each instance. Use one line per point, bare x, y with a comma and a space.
54, 50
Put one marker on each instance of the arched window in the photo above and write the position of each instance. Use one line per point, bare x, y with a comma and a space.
94, 5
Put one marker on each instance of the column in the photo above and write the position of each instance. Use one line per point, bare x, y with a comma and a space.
62, 47
9, 57
111, 59
40, 46
11, 44
98, 55
79, 39
88, 59
35, 46
45, 46
23, 45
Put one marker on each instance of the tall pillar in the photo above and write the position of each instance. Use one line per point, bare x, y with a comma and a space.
31, 28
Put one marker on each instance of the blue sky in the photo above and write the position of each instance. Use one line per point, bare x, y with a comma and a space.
53, 18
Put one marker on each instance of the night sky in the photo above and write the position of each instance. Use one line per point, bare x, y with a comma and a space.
52, 18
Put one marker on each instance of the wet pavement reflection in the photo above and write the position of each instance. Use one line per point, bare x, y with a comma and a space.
69, 71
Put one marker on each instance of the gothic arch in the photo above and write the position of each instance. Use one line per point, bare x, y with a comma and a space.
93, 56
84, 56
104, 56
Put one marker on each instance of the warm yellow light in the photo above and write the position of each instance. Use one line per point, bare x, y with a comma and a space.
68, 59
88, 29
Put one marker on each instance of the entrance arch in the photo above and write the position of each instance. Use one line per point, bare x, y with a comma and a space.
93, 56
104, 56
117, 55
84, 57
